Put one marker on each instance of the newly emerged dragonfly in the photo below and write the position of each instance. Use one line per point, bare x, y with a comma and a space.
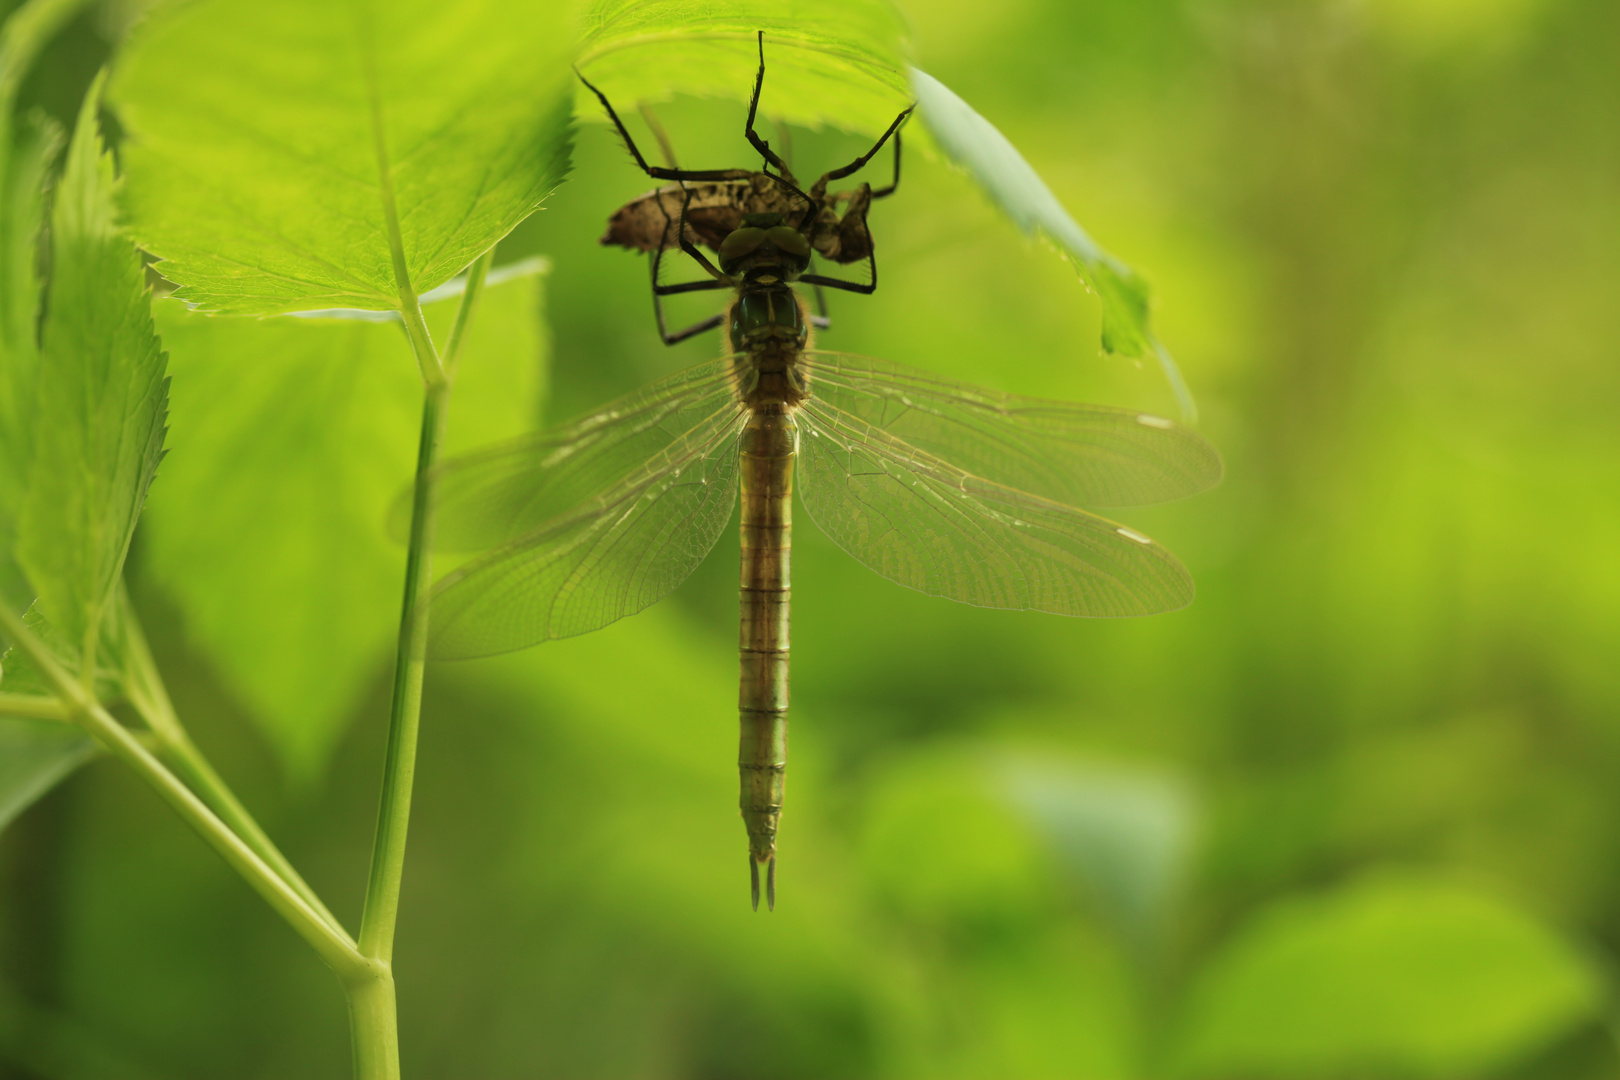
955, 491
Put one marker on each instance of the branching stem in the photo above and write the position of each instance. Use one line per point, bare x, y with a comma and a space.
330, 942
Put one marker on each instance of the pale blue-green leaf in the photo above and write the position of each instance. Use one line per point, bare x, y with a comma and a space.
1124, 837
1408, 978
35, 756
291, 438
974, 144
282, 156
827, 61
101, 400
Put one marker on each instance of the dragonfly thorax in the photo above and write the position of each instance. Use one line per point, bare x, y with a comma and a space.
766, 321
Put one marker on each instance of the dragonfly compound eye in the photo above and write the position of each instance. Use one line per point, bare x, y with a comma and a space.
788, 239
739, 244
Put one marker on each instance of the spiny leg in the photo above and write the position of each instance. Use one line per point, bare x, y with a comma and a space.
858, 163
760, 144
661, 291
880, 193
717, 281
655, 171
848, 286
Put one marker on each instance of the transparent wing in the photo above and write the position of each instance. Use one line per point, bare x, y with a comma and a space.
615, 549
1079, 455
496, 495
932, 526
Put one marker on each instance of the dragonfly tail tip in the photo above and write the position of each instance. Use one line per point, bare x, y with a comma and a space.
753, 875
770, 884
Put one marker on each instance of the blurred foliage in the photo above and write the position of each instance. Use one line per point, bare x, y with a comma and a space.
1353, 813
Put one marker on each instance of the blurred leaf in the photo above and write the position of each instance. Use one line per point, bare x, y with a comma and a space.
1416, 978
101, 400
1125, 836
23, 165
292, 437
836, 61
944, 846
975, 144
35, 756
258, 133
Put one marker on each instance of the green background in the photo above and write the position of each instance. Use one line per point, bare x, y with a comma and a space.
1353, 813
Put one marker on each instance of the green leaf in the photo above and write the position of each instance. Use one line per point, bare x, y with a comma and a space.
292, 437
1411, 977
101, 400
303, 154
1123, 836
35, 756
837, 62
974, 144
23, 166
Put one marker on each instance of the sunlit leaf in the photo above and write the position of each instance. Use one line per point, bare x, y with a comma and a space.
1412, 978
291, 438
975, 144
836, 62
296, 155
101, 400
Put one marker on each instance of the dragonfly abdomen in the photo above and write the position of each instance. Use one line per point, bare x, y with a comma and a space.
768, 446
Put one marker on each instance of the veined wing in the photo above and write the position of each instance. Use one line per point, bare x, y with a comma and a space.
932, 526
495, 495
1079, 455
616, 549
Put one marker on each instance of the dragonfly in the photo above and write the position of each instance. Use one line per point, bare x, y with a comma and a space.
960, 492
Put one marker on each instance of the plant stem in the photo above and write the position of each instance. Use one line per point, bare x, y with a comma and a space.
331, 943
399, 770
373, 1019
150, 698
32, 707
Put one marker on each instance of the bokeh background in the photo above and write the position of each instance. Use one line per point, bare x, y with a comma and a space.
1353, 813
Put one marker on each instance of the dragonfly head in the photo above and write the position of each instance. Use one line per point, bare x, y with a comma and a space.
764, 245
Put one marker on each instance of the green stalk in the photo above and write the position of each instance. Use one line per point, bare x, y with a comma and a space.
410, 661
32, 707
150, 698
331, 943
372, 1016
373, 1020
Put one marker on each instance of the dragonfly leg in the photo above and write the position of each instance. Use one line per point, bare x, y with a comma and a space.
882, 192
858, 163
820, 320
866, 289
760, 144
658, 172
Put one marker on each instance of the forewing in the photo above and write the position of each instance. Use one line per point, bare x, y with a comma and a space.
1079, 455
937, 528
611, 553
494, 496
